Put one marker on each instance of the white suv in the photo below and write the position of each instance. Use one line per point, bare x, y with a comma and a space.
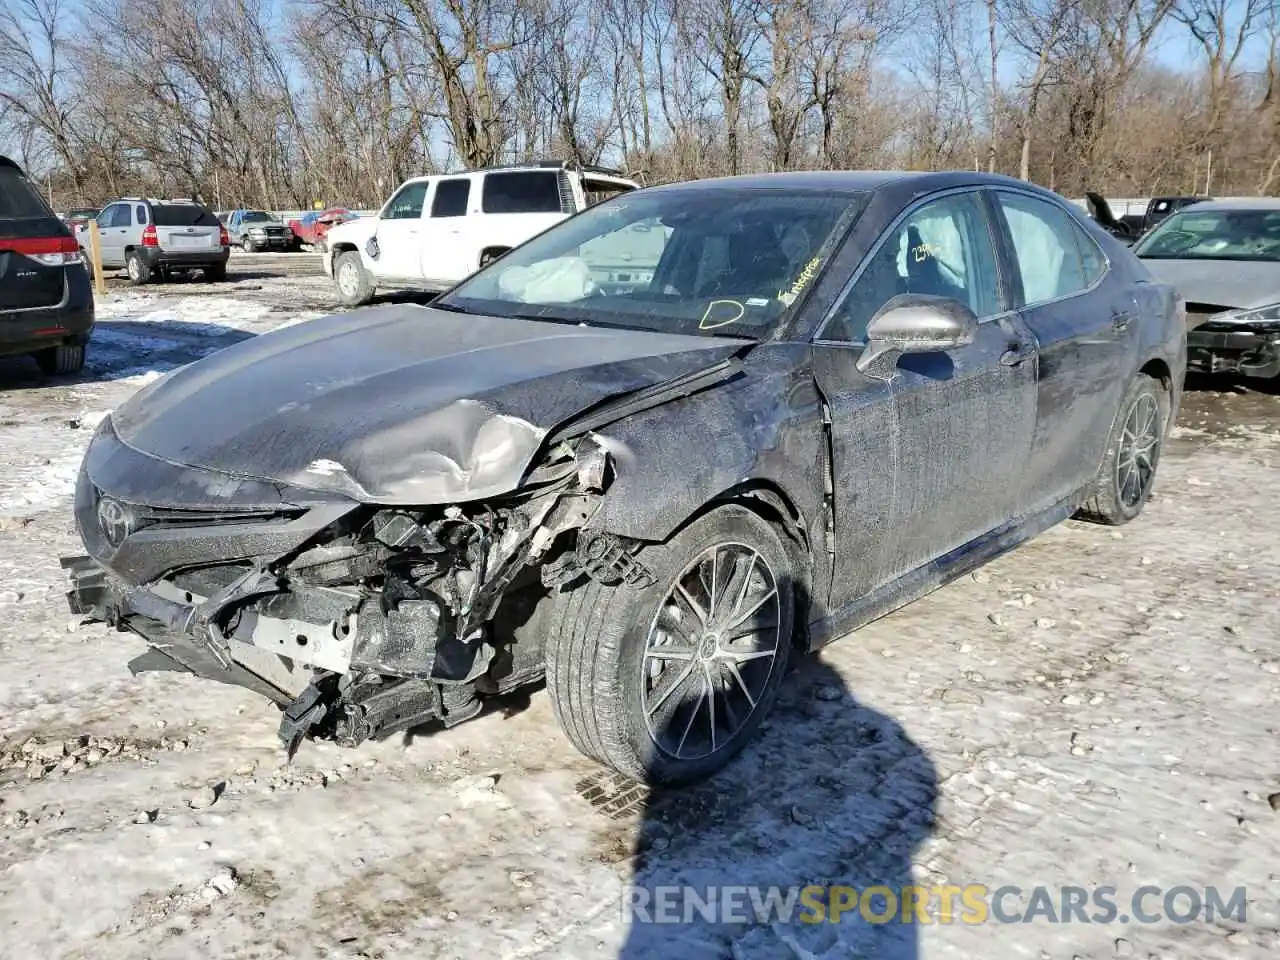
438, 230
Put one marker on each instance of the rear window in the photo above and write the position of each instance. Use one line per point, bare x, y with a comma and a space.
18, 199
256, 216
182, 215
528, 191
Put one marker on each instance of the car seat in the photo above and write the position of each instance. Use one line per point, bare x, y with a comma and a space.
756, 265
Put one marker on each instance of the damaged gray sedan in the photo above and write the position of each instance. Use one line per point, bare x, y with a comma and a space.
648, 456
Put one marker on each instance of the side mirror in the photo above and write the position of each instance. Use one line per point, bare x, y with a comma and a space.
916, 323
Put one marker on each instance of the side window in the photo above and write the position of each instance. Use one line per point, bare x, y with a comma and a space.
117, 216
407, 204
1092, 261
140, 214
1046, 248
942, 248
451, 198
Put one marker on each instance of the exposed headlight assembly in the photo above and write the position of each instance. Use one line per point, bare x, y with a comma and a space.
1263, 319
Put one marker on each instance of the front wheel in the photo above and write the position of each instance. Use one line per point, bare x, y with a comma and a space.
1128, 469
668, 682
355, 288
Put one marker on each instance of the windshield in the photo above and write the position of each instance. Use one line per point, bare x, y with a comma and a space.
717, 262
1198, 234
255, 216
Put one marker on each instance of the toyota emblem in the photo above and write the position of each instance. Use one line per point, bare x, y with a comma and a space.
115, 520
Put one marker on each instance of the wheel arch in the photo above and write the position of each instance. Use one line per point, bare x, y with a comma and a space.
770, 501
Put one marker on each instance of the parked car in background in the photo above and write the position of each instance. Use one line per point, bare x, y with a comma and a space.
1104, 217
1158, 208
1131, 226
255, 230
1224, 258
46, 300
831, 393
79, 216
312, 229
150, 238
436, 230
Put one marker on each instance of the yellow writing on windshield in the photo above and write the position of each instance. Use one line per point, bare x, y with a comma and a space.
810, 270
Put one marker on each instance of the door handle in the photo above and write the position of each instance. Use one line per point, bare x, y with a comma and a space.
1120, 322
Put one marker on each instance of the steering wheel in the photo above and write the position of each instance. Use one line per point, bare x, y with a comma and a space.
1176, 241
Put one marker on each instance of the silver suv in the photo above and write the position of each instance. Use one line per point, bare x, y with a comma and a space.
151, 238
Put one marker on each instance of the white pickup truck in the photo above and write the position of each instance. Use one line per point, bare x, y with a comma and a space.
437, 230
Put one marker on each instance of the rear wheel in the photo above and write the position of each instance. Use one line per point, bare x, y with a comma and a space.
667, 683
136, 267
215, 272
1128, 468
355, 287
62, 359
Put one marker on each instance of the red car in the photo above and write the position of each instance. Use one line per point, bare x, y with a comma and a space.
312, 227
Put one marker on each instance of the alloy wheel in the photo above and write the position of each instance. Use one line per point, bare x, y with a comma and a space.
1139, 449
710, 652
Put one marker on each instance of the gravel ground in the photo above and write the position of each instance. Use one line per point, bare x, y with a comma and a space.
1097, 708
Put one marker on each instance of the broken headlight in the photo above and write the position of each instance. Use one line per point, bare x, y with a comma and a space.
1264, 319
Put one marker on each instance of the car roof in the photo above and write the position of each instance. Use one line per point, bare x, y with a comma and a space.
1237, 203
852, 180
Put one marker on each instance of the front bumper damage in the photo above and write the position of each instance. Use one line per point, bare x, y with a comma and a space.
368, 620
1251, 350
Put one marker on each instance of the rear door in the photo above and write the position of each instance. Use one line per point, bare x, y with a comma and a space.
35, 246
186, 228
1081, 318
113, 230
448, 248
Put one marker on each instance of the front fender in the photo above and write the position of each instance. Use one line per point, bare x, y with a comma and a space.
763, 427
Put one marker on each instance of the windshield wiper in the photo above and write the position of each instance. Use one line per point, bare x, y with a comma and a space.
547, 317
451, 308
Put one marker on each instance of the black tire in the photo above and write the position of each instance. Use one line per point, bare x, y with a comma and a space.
1119, 492
597, 653
62, 359
349, 271
488, 256
137, 269
215, 272
246, 245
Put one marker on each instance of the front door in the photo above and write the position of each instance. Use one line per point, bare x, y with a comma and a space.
1081, 323
930, 459
400, 234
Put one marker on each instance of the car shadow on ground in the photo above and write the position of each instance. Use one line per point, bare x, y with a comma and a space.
121, 349
832, 795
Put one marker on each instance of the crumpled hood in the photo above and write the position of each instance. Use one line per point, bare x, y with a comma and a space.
401, 404
1232, 284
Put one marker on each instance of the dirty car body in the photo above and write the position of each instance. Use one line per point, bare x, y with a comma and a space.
1224, 258
646, 492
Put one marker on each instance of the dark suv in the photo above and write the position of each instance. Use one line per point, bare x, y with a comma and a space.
46, 301
149, 238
